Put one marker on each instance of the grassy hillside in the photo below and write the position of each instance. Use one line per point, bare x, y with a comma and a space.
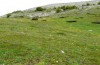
51, 40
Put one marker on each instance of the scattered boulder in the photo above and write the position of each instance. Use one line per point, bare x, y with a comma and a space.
72, 21
96, 22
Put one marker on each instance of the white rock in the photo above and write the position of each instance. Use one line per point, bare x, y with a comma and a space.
90, 30
62, 51
57, 61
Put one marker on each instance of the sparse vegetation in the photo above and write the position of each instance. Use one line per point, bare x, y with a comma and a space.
70, 7
20, 16
64, 8
19, 11
85, 5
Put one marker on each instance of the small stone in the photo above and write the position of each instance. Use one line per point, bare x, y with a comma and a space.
56, 61
62, 51
90, 30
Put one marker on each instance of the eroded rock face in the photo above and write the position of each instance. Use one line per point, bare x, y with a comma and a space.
51, 11
41, 14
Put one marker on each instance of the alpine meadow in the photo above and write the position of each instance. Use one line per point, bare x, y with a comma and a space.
56, 34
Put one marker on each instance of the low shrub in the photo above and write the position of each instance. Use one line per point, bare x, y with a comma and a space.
58, 10
71, 7
81, 17
96, 22
35, 18
19, 11
63, 7
61, 33
62, 17
87, 4
44, 20
40, 9
8, 15
93, 4
76, 18
98, 3
20, 16
72, 21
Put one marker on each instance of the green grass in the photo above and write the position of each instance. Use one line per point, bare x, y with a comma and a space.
24, 42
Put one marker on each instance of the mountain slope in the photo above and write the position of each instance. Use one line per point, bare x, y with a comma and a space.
53, 40
50, 9
70, 37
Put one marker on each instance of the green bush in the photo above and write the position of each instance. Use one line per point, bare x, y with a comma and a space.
20, 16
54, 8
71, 7
35, 18
83, 6
19, 11
63, 8
93, 4
68, 7
87, 4
74, 7
98, 3
58, 10
40, 9
8, 15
